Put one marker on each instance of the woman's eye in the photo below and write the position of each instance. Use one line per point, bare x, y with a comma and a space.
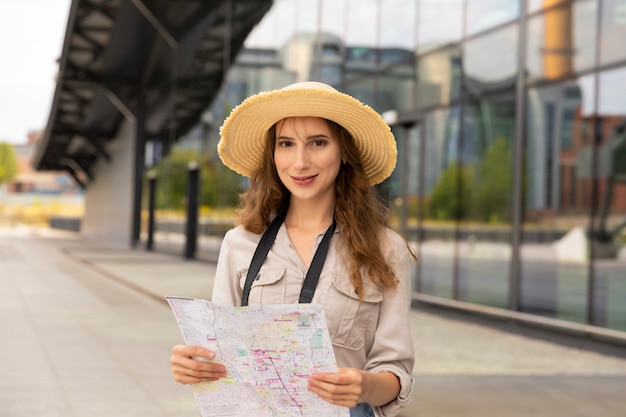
319, 142
285, 143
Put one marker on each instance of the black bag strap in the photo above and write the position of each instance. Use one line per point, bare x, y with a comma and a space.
263, 248
313, 274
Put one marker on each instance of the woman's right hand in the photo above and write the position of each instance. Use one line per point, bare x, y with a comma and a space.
193, 364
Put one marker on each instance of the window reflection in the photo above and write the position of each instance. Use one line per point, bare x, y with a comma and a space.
398, 87
361, 61
333, 16
535, 5
439, 77
362, 23
397, 22
439, 22
396, 183
412, 202
561, 185
365, 90
485, 221
558, 193
437, 247
613, 31
610, 226
488, 133
277, 26
413, 179
483, 74
404, 190
562, 40
485, 14
559, 126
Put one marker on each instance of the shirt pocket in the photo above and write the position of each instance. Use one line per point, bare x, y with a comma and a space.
268, 287
349, 317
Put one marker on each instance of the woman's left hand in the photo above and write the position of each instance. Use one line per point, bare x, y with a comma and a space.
343, 388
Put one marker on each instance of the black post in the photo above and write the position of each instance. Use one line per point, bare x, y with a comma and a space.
517, 192
140, 156
191, 229
151, 200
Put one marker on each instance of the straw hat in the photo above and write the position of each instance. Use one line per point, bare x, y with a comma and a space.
244, 131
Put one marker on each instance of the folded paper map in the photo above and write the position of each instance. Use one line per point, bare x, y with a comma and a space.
269, 352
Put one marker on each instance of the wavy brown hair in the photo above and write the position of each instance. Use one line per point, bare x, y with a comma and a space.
360, 213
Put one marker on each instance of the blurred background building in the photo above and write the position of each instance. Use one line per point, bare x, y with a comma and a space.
510, 119
37, 197
29, 182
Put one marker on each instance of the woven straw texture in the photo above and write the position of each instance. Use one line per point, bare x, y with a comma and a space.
243, 132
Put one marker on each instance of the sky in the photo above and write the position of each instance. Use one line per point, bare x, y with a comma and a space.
31, 40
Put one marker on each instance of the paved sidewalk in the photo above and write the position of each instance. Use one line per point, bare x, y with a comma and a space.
86, 332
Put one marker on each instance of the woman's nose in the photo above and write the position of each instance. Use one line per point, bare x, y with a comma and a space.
302, 157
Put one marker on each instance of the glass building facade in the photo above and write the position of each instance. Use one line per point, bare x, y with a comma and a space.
510, 119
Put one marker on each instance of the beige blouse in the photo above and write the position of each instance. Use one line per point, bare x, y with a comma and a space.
372, 335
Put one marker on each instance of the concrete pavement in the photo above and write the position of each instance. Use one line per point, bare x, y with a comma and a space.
86, 332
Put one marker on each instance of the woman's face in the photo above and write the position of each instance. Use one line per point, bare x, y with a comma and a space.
307, 157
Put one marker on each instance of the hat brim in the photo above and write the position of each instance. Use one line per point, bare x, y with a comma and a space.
244, 131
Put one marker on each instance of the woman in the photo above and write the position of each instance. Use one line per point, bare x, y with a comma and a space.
313, 155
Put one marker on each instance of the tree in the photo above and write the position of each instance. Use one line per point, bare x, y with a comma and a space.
219, 187
172, 174
451, 198
8, 163
494, 191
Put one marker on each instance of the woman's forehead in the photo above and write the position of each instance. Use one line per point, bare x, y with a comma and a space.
306, 125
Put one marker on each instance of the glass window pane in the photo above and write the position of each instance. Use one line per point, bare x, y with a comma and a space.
437, 246
282, 22
558, 191
361, 38
439, 77
334, 17
562, 41
360, 61
612, 101
404, 182
362, 28
440, 22
410, 155
366, 90
484, 74
397, 87
485, 14
535, 5
413, 181
610, 226
329, 68
397, 20
485, 222
613, 31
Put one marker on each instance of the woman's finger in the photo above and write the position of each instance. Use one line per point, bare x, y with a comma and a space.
343, 388
192, 365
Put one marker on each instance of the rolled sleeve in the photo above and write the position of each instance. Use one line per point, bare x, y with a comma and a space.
392, 349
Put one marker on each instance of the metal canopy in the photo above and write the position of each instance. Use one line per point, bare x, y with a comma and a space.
157, 61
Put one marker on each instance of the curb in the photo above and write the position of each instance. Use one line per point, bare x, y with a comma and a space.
598, 333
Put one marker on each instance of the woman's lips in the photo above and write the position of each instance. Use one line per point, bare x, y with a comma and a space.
303, 180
